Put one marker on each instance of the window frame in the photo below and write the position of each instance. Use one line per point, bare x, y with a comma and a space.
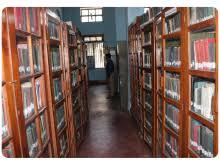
89, 9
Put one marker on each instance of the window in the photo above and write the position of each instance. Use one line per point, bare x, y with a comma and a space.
95, 50
91, 14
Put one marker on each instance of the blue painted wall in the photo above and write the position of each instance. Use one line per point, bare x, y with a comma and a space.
107, 27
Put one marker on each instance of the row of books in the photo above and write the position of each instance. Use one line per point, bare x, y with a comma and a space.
148, 100
148, 80
43, 128
72, 56
202, 97
201, 139
199, 14
171, 146
203, 49
149, 121
7, 151
58, 94
53, 30
159, 30
72, 39
172, 23
173, 53
60, 117
148, 138
23, 57
38, 93
55, 58
63, 144
36, 55
147, 58
172, 86
159, 53
172, 117
31, 133
20, 18
34, 20
145, 17
74, 77
147, 38
28, 100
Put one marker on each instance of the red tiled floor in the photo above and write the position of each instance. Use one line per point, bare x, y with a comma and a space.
111, 132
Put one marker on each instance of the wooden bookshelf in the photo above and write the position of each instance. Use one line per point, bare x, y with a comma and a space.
148, 62
30, 119
163, 72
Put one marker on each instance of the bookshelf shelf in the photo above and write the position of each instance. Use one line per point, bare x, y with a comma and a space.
172, 35
202, 25
203, 74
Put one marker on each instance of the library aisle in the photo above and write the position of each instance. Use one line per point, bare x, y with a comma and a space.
111, 132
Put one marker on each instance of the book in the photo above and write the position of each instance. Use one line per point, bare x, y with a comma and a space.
20, 18
58, 94
36, 55
202, 97
172, 86
63, 144
43, 128
27, 98
172, 117
201, 139
171, 146
60, 117
172, 23
55, 58
38, 93
147, 58
199, 14
4, 119
23, 57
149, 121
203, 49
148, 80
32, 139
34, 19
172, 57
7, 151
53, 30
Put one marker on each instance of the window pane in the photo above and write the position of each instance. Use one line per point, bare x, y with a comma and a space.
98, 18
91, 18
90, 49
91, 12
84, 19
99, 55
98, 11
86, 38
92, 38
98, 38
84, 12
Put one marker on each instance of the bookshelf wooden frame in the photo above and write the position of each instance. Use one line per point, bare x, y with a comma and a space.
54, 105
14, 86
